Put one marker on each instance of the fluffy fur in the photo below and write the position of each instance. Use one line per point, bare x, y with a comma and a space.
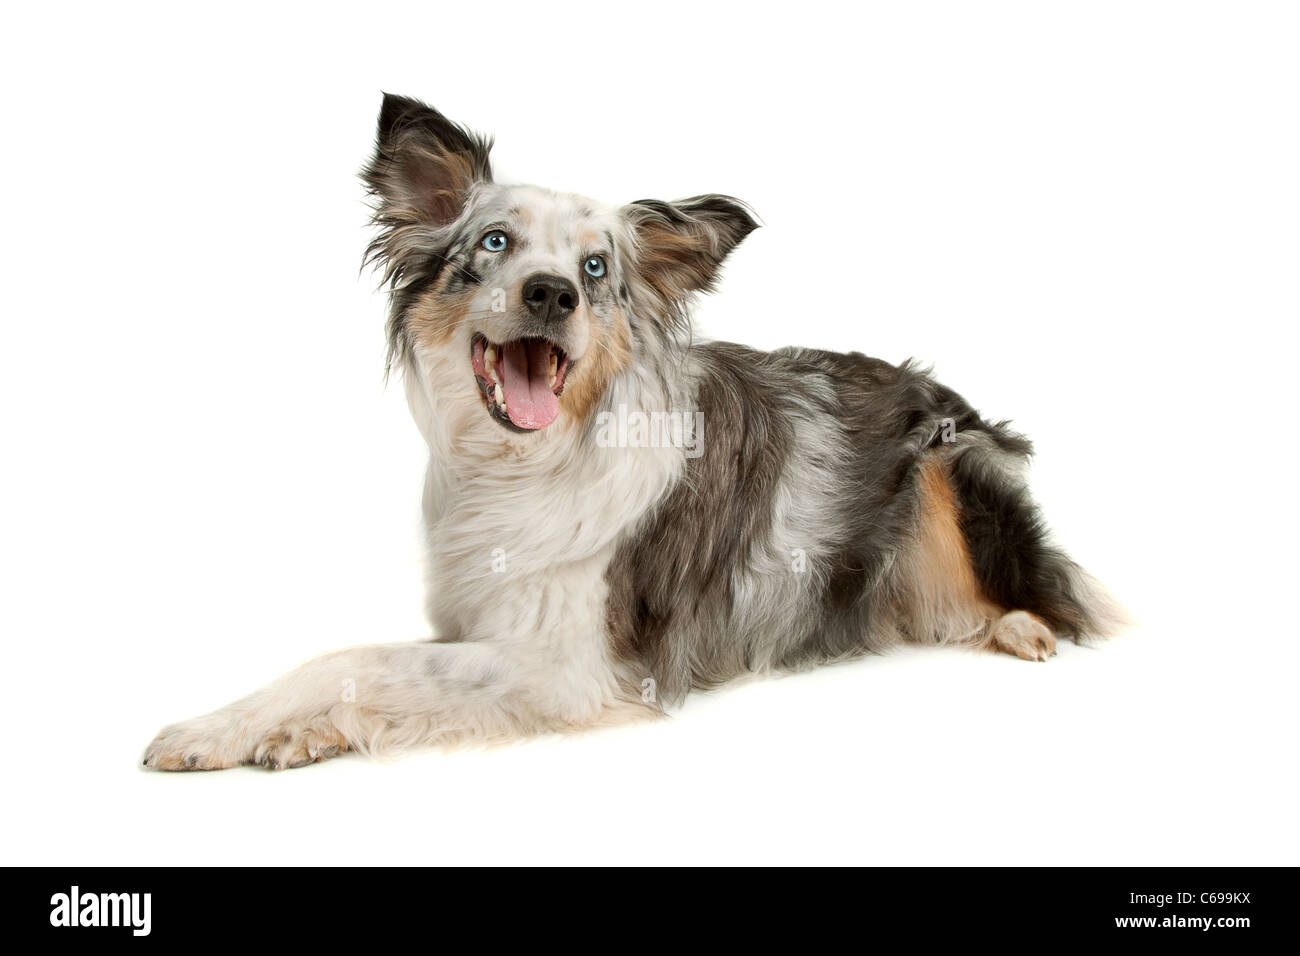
825, 505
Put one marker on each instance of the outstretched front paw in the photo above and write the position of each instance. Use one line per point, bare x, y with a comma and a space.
221, 740
296, 745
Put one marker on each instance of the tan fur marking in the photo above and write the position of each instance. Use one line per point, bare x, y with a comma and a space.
608, 353
669, 259
942, 600
434, 317
438, 180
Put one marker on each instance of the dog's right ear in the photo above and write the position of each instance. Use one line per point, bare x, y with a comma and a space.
424, 164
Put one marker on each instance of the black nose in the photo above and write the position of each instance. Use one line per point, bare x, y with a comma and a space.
550, 298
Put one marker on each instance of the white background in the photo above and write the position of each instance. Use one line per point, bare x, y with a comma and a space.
1084, 215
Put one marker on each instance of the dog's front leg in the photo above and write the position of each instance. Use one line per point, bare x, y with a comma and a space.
376, 698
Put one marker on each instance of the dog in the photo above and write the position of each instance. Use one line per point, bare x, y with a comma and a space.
617, 514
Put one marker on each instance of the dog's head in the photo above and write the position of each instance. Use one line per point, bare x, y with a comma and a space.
541, 299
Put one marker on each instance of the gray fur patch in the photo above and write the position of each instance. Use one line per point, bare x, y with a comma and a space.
773, 550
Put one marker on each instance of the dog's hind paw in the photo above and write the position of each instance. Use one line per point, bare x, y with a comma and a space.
1023, 634
219, 740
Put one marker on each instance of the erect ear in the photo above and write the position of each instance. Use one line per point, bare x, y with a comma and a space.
681, 245
424, 164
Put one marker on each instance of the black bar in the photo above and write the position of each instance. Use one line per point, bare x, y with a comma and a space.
1197, 906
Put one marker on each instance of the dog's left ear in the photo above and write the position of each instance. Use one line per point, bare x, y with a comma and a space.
424, 164
681, 245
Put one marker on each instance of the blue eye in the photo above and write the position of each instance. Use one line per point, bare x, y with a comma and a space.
594, 267
495, 241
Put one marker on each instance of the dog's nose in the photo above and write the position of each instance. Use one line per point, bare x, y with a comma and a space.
550, 298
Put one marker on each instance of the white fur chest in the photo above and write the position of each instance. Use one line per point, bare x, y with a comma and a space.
520, 529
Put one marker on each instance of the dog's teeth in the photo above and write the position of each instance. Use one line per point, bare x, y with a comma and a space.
493, 372
555, 363
499, 395
490, 355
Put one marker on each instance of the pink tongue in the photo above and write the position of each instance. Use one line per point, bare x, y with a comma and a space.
530, 403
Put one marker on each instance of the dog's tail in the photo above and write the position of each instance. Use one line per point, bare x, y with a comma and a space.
1012, 554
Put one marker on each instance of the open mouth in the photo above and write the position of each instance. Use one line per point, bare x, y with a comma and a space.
521, 381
